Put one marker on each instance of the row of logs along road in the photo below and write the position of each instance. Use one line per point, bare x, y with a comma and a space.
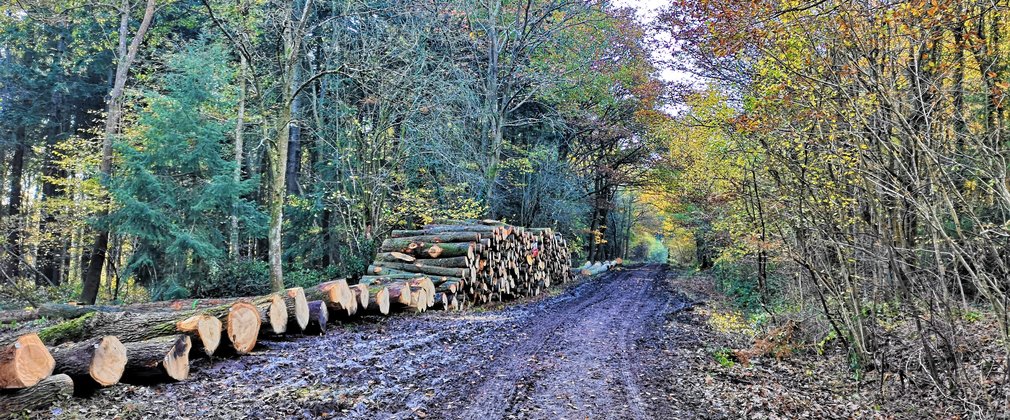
62, 349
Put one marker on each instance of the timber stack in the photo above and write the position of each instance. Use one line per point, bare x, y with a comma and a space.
58, 350
469, 262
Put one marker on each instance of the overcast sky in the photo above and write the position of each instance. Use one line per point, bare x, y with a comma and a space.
647, 10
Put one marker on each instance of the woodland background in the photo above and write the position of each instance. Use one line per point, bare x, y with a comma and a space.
841, 168
207, 148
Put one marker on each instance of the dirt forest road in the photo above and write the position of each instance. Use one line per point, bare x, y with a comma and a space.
589, 351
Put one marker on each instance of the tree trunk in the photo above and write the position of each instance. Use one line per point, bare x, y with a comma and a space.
381, 268
394, 257
278, 185
298, 308
273, 315
40, 396
242, 323
407, 244
202, 324
12, 265
50, 251
378, 299
233, 242
93, 275
337, 295
361, 293
399, 293
319, 315
294, 156
50, 260
92, 364
163, 359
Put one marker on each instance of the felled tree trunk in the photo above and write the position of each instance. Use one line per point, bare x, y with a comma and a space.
394, 257
43, 394
337, 295
242, 323
163, 359
53, 311
298, 308
361, 293
440, 228
382, 268
450, 286
319, 315
399, 293
24, 361
418, 299
448, 237
429, 290
446, 262
378, 299
273, 315
202, 324
95, 363
206, 329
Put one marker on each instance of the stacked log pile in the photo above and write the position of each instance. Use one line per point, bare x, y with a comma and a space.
468, 263
58, 350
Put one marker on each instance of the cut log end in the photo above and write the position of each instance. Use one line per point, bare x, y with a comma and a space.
339, 297
434, 251
399, 293
277, 315
298, 306
24, 362
382, 301
108, 361
243, 327
176, 362
319, 315
207, 328
418, 299
162, 359
360, 292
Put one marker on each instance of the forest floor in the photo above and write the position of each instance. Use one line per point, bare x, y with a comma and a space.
625, 345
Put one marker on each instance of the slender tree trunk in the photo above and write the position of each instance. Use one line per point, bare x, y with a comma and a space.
13, 257
233, 240
93, 274
591, 242
279, 154
494, 110
627, 228
278, 160
294, 164
601, 250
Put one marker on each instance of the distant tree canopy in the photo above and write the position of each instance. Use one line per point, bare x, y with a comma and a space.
194, 147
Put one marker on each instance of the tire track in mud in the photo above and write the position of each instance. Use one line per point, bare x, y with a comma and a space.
576, 357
